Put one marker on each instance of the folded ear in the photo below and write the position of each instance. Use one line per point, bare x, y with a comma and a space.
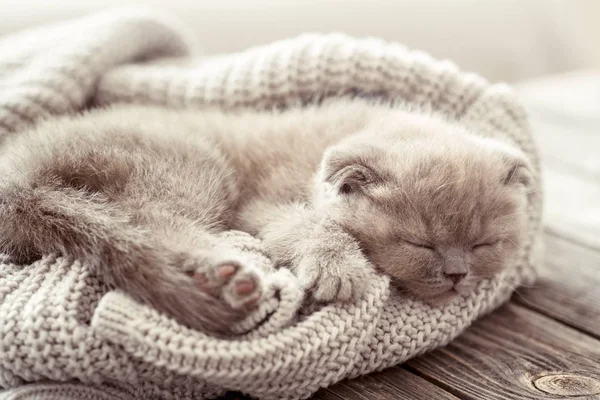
518, 169
348, 172
519, 173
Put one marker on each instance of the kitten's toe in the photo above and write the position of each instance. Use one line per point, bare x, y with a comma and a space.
244, 289
238, 282
216, 291
211, 279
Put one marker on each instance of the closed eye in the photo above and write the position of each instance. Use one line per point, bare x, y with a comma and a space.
421, 245
483, 245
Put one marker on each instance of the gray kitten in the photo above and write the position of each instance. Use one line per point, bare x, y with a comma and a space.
140, 193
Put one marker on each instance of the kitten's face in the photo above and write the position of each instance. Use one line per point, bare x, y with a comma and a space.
438, 212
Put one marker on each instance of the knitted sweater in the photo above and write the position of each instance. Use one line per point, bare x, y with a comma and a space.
61, 324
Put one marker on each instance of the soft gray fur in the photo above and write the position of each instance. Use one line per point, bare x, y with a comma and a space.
333, 190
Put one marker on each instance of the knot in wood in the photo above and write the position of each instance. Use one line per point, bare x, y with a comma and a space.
567, 385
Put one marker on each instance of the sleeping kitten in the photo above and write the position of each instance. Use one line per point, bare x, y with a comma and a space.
141, 194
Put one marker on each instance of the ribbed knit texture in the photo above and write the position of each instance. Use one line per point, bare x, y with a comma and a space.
58, 323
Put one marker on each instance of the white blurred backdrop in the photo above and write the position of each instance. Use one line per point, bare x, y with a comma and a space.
508, 40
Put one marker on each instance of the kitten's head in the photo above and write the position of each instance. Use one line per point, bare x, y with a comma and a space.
433, 206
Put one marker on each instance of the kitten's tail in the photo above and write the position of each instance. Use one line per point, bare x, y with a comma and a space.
85, 226
35, 221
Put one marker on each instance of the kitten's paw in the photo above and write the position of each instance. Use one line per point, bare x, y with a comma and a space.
213, 291
333, 275
235, 280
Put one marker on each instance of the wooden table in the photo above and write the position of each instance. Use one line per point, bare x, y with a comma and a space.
545, 343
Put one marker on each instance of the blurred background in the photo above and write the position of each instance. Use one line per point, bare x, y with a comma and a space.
503, 40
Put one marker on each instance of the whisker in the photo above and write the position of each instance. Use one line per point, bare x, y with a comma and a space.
517, 213
516, 245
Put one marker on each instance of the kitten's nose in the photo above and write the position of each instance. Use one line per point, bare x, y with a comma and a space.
456, 265
456, 277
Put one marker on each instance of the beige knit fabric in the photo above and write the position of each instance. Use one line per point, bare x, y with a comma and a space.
58, 323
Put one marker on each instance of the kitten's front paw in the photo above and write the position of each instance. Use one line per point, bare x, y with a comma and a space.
333, 275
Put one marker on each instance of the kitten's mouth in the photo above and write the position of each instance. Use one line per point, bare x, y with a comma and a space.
446, 296
462, 291
454, 291
439, 294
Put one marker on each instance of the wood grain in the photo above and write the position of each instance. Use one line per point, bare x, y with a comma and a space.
568, 287
503, 355
568, 385
390, 384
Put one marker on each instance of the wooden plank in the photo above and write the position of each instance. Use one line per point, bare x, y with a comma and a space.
327, 394
390, 384
234, 396
568, 287
516, 353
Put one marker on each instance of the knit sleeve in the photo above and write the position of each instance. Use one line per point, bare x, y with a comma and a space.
299, 69
54, 69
